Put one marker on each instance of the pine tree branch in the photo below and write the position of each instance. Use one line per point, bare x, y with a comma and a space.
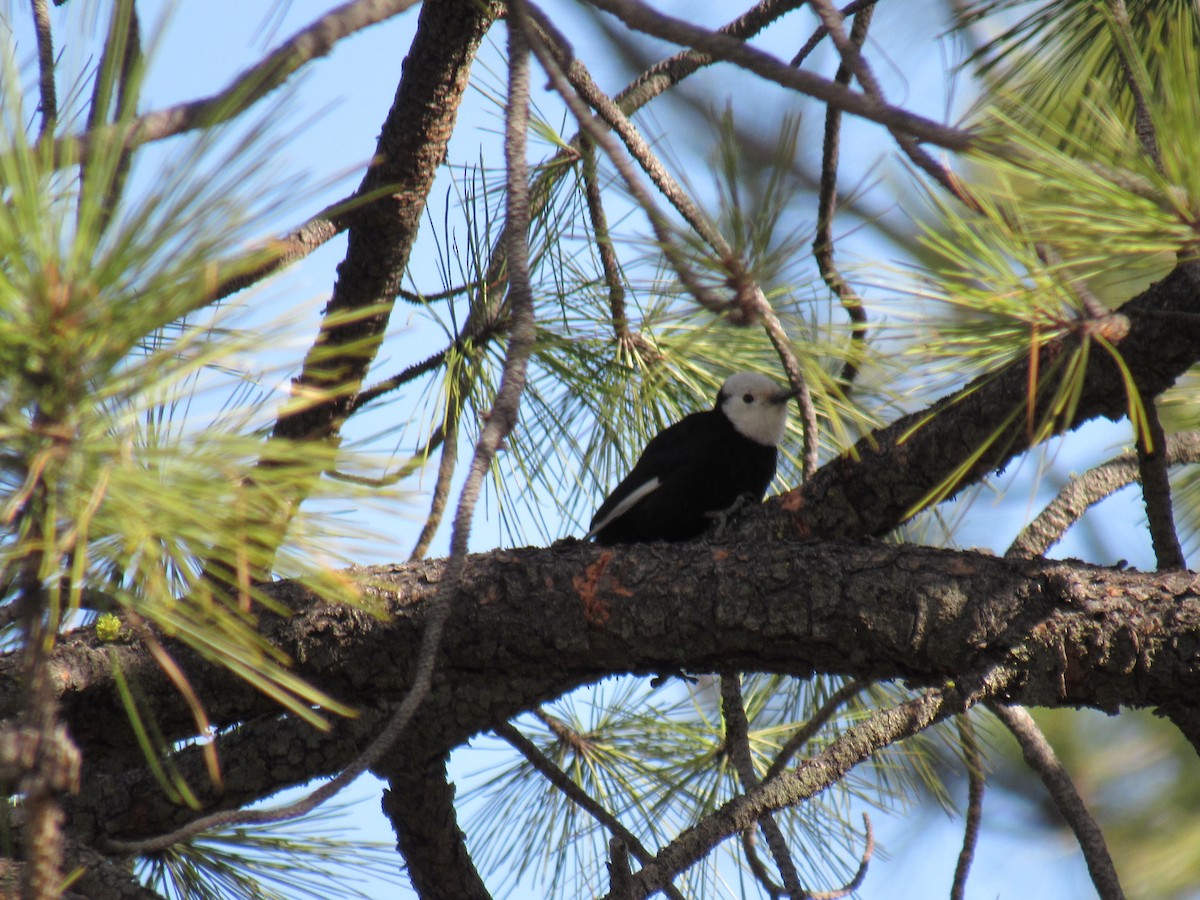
827, 205
419, 801
1156, 487
1042, 759
892, 473
737, 745
1084, 491
263, 78
640, 17
48, 103
881, 729
974, 813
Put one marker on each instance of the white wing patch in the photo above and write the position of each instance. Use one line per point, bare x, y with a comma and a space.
625, 505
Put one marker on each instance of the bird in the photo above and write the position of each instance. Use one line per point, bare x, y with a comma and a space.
696, 470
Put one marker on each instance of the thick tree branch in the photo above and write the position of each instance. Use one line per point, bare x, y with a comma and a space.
420, 803
411, 146
892, 473
1156, 487
536, 623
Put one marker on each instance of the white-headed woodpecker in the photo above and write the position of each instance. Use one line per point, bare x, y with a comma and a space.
700, 467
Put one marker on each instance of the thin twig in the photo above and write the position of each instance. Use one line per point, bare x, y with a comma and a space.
48, 102
604, 246
1042, 759
410, 373
827, 205
1088, 489
641, 17
737, 745
853, 58
1134, 71
1156, 487
806, 731
974, 764
597, 134
778, 891
119, 70
415, 461
881, 729
791, 365
758, 868
850, 9
578, 796
442, 483
296, 245
312, 42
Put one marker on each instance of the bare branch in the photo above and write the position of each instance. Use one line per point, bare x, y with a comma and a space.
119, 71
420, 803
737, 745
579, 796
974, 764
549, 57
1042, 759
1156, 487
312, 42
292, 247
791, 365
48, 105
1135, 76
442, 484
608, 257
850, 9
827, 205
806, 732
1084, 491
884, 727
642, 18
852, 57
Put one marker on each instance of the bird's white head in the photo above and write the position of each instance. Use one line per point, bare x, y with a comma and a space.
756, 406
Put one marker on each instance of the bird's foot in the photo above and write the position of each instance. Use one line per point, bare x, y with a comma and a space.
723, 518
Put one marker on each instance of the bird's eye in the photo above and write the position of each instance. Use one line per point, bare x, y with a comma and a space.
747, 398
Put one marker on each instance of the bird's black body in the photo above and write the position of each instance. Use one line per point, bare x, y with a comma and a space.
703, 465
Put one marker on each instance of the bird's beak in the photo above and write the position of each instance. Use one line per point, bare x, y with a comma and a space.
784, 396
